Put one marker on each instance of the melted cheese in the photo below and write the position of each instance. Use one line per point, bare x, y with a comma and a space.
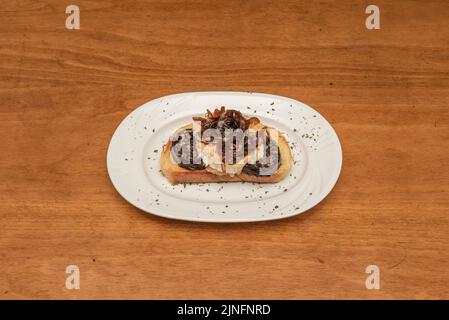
213, 160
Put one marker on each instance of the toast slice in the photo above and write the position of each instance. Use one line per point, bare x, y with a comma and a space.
176, 174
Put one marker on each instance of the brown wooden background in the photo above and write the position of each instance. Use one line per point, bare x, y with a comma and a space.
63, 92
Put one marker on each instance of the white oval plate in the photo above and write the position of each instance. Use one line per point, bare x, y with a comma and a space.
135, 147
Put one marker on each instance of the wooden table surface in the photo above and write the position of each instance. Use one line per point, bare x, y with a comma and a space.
63, 93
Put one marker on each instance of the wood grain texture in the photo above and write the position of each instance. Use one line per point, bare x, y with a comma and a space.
63, 93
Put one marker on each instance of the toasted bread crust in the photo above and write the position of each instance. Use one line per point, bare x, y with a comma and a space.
176, 174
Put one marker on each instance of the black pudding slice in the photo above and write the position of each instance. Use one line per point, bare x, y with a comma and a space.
269, 164
190, 160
